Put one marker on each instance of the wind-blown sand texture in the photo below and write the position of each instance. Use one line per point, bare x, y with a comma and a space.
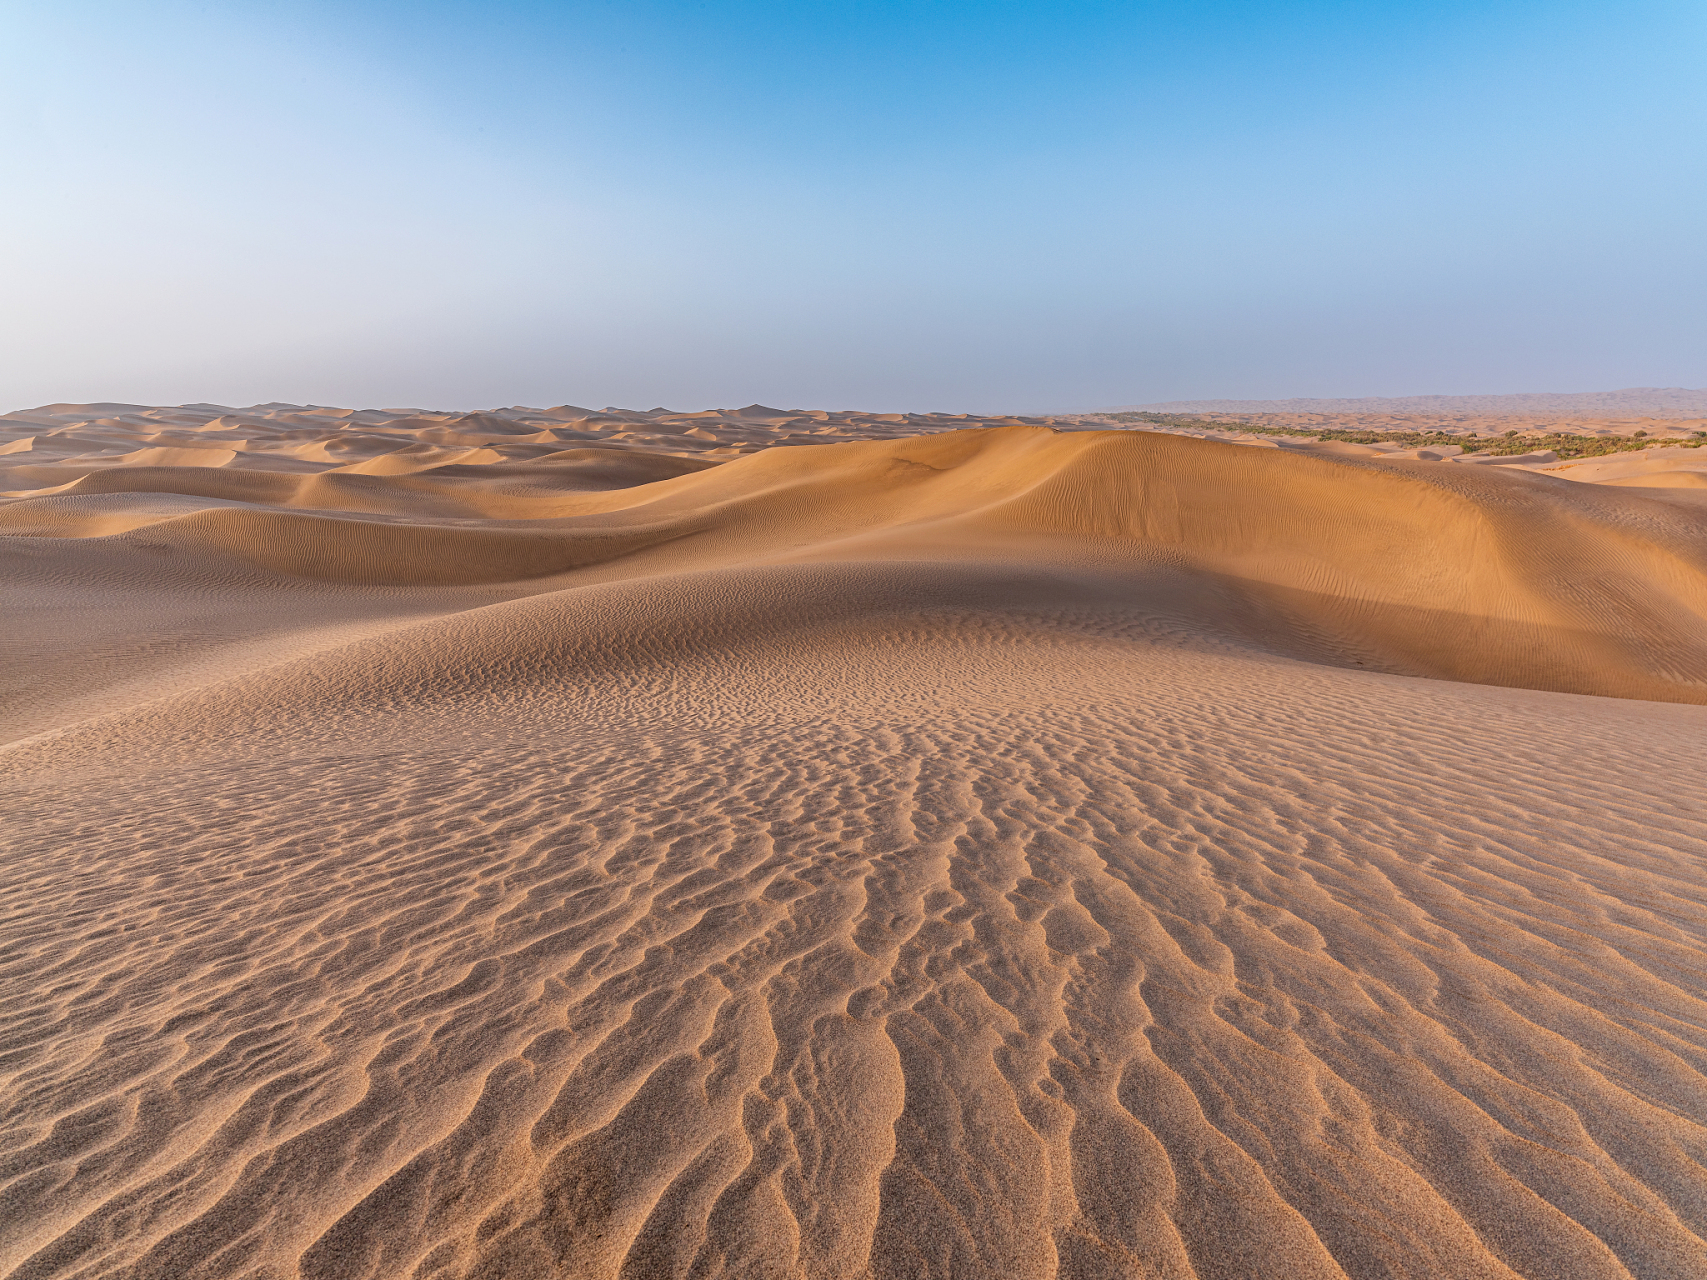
545, 843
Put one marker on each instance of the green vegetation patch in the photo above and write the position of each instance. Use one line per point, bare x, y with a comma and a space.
1512, 442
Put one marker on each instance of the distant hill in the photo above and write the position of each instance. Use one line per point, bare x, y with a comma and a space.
1648, 402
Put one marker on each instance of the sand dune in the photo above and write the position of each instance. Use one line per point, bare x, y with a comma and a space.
600, 843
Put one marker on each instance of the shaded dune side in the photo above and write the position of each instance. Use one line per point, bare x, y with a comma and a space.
1475, 575
711, 643
410, 485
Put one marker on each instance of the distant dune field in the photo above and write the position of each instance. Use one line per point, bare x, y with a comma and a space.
590, 843
1630, 403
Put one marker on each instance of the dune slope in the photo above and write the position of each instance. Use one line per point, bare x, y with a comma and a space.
1000, 852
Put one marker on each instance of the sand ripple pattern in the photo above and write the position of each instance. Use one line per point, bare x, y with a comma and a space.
1025, 990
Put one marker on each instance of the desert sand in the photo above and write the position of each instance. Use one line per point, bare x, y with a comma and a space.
552, 842
1664, 413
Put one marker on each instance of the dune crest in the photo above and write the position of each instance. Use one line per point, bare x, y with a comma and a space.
599, 843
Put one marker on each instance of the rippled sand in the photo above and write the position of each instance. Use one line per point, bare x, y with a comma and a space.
993, 852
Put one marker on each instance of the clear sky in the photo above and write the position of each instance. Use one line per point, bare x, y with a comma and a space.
954, 206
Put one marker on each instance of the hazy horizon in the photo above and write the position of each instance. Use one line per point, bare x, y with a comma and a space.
961, 208
1659, 402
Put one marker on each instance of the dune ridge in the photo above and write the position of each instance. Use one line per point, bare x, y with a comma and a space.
963, 848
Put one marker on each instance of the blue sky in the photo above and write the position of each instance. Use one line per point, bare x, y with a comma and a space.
887, 206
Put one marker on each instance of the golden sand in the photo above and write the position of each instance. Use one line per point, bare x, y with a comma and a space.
554, 843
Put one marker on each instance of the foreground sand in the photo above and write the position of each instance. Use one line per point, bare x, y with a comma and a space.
997, 852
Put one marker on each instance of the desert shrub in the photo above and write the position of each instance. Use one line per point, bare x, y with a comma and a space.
1512, 442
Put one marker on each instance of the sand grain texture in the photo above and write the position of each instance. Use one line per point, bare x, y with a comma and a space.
554, 843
